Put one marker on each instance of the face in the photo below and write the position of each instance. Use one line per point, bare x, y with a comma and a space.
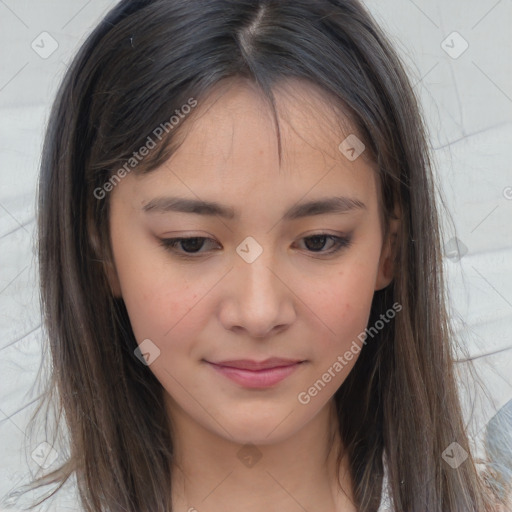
276, 279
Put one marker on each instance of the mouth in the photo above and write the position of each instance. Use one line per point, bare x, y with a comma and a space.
257, 374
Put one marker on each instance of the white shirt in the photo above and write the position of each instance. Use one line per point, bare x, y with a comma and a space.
385, 501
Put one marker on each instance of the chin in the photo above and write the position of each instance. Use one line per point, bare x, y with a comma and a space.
258, 430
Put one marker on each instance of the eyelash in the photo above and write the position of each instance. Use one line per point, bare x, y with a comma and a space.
169, 244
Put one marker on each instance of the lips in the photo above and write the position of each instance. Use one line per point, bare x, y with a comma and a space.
257, 374
247, 364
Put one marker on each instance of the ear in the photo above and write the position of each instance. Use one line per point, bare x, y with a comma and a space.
386, 271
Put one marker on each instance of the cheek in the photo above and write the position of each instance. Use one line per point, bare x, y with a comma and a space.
341, 305
161, 302
164, 309
355, 285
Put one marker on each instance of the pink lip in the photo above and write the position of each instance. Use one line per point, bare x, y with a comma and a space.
254, 374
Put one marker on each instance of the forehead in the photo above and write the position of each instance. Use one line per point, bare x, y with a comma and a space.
230, 148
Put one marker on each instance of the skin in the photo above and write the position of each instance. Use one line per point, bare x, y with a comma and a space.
290, 302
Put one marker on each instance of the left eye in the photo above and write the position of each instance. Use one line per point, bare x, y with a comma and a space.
316, 242
193, 245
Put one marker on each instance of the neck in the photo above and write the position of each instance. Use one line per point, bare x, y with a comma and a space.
213, 473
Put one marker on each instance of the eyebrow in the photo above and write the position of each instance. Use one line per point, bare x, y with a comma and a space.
338, 204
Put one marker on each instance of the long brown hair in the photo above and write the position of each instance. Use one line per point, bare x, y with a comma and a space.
146, 59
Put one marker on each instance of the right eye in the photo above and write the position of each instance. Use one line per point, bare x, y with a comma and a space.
189, 246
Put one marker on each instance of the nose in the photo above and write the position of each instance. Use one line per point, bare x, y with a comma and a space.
258, 302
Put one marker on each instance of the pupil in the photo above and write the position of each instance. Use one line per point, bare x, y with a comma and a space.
196, 244
317, 238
